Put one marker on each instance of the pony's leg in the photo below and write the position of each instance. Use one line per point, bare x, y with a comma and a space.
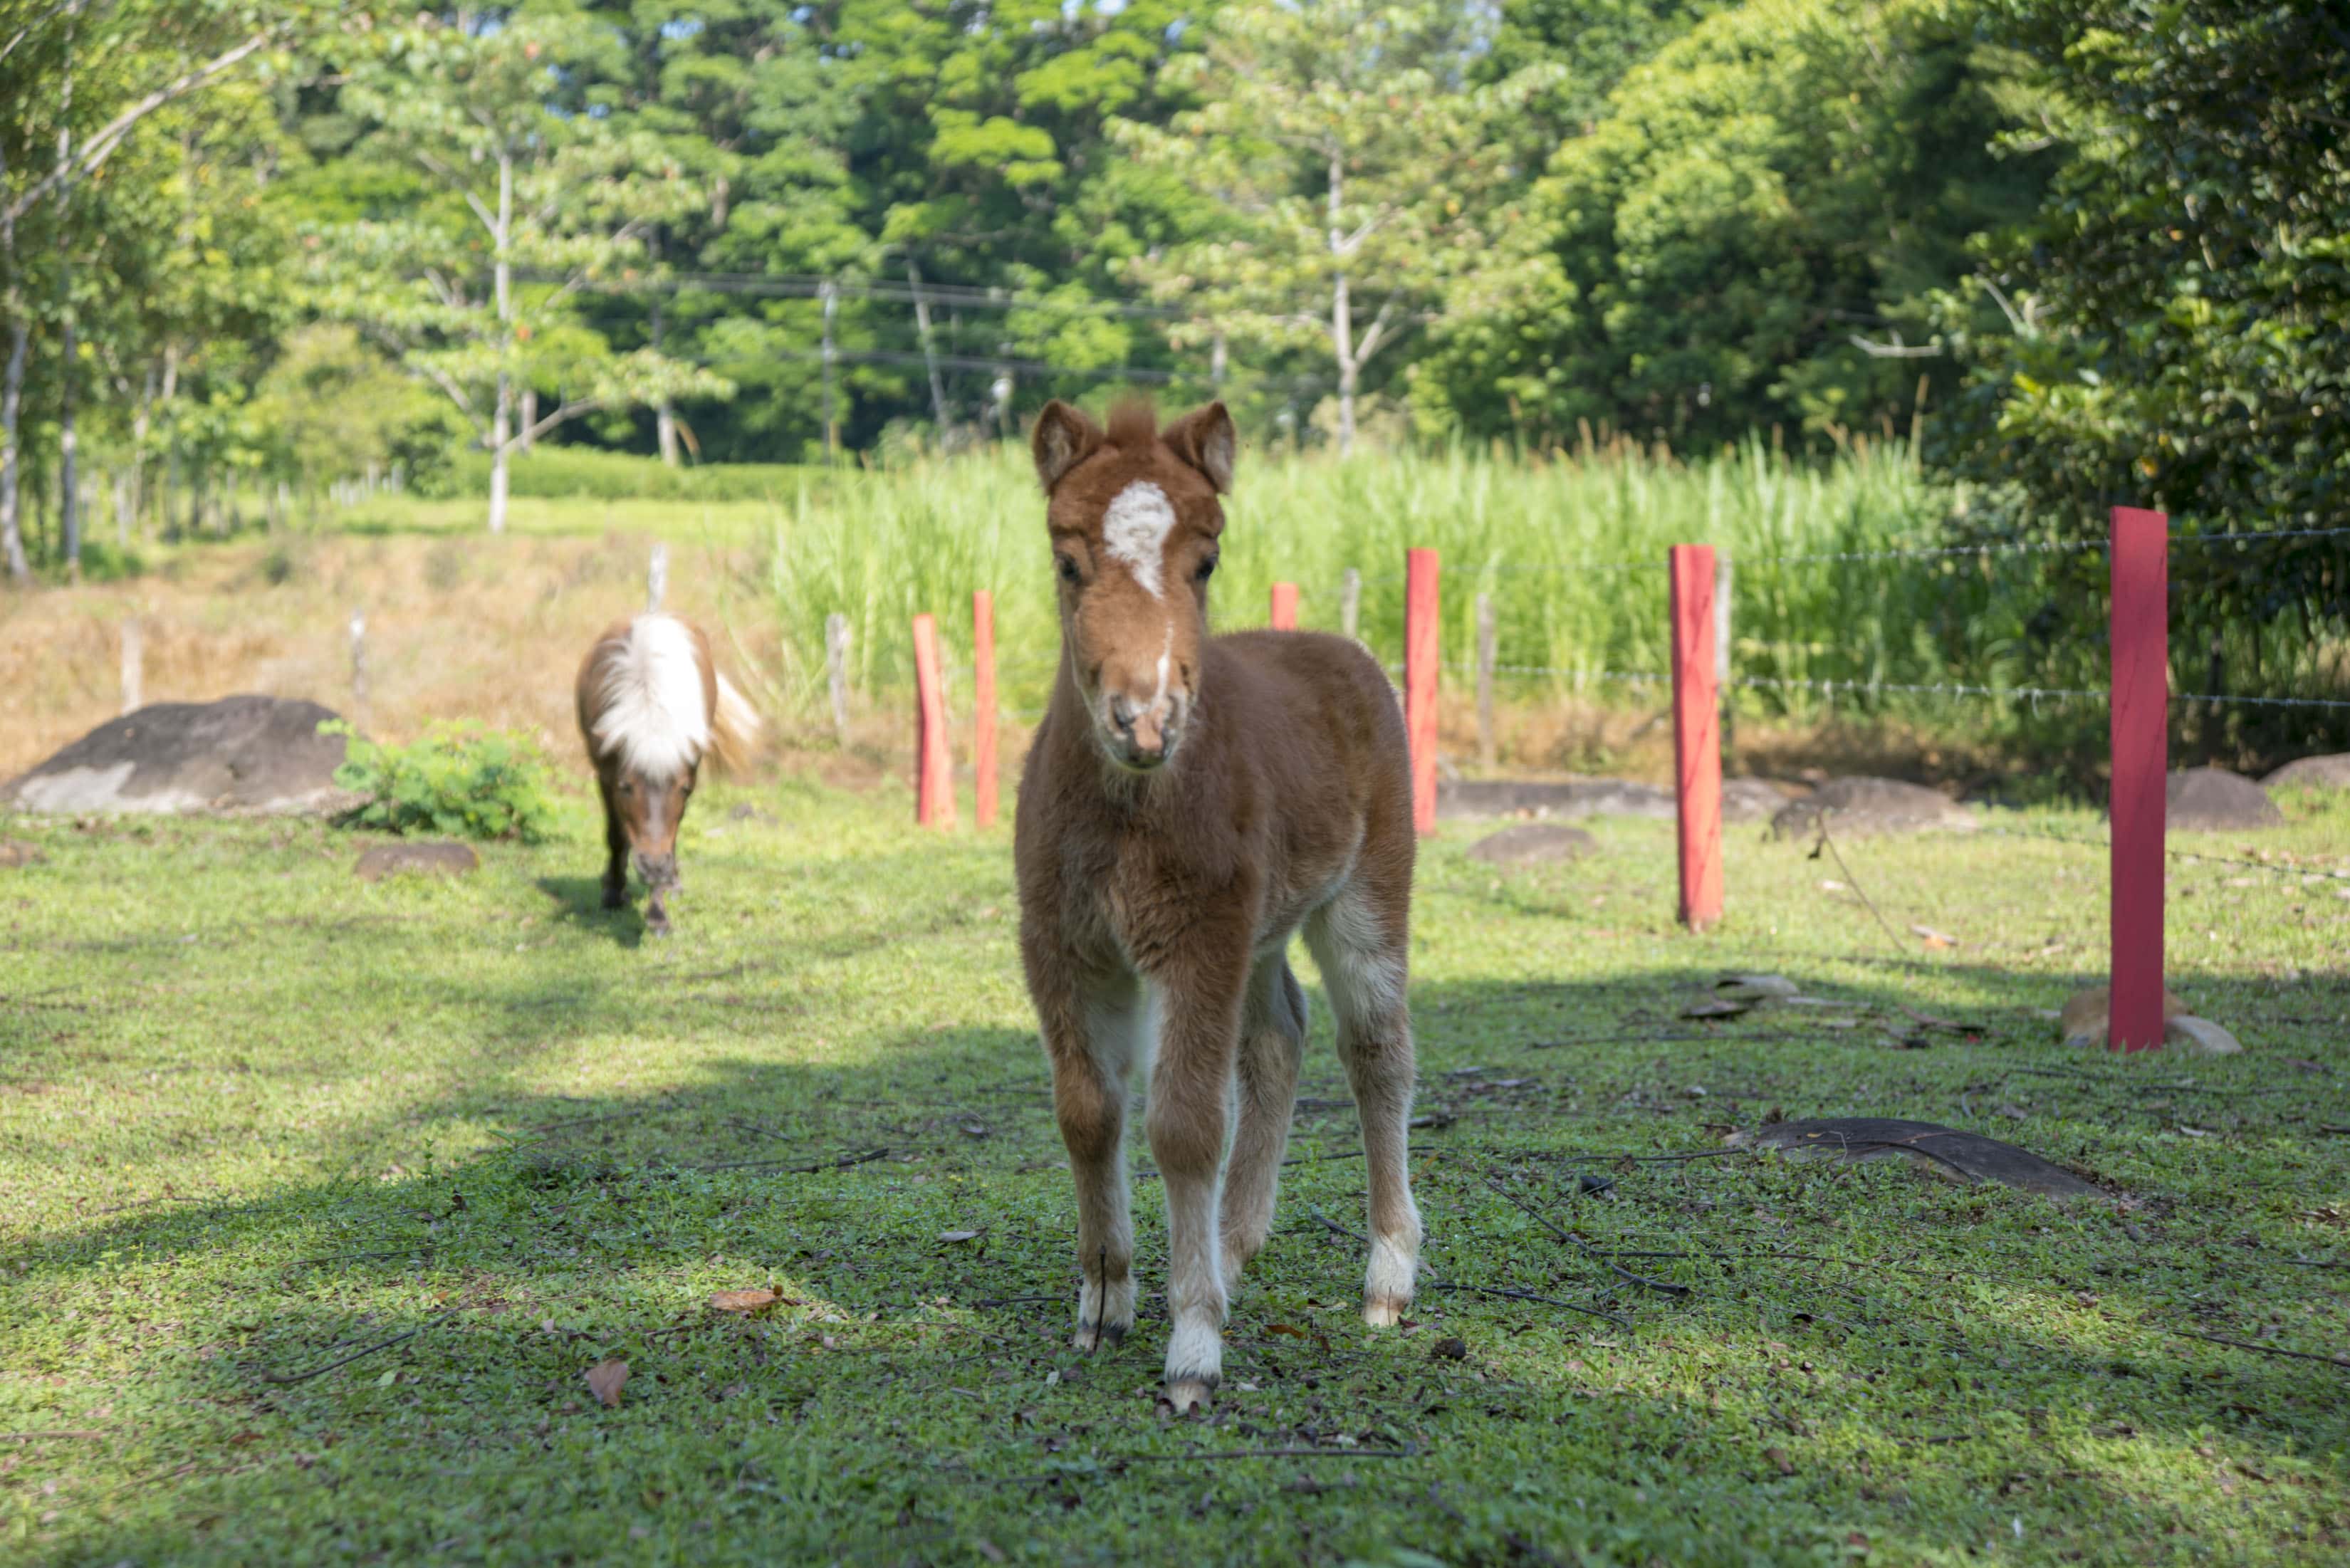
1273, 1042
1190, 1121
615, 846
1359, 941
1093, 1034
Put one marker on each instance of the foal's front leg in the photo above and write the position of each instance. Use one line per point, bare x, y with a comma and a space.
1093, 1034
1199, 1009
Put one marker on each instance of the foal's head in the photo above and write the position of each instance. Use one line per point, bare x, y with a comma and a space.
1134, 519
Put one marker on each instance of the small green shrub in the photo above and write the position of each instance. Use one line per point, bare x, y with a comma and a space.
459, 779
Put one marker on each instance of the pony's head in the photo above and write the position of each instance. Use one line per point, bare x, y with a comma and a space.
650, 691
1134, 520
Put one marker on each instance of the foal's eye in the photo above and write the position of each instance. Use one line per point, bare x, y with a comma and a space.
1068, 569
1207, 569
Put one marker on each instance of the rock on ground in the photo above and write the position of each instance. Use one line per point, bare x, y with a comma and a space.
1946, 1151
240, 753
1743, 799
2313, 773
2213, 799
1860, 804
1533, 844
428, 857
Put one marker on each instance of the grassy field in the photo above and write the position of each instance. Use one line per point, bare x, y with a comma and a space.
318, 1199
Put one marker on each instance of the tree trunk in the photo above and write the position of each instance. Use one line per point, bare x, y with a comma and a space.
664, 412
68, 434
12, 398
500, 424
502, 421
529, 419
1350, 369
1342, 311
12, 537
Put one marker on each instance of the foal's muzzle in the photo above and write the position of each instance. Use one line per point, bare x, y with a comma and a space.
659, 871
1140, 736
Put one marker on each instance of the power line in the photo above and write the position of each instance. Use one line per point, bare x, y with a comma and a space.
810, 286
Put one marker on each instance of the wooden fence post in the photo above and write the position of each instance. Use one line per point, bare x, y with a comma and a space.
1350, 603
983, 702
1487, 751
1420, 647
1697, 734
1722, 590
836, 670
2140, 715
358, 669
134, 656
1285, 607
933, 767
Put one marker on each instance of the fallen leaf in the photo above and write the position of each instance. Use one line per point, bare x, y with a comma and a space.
1290, 1329
1433, 1121
606, 1379
989, 1550
742, 1300
1779, 1459
958, 1235
1934, 938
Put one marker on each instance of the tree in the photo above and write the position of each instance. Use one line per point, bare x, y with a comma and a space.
1349, 160
533, 194
2171, 323
1750, 236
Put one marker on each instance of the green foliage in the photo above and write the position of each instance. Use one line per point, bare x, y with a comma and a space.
2173, 322
459, 779
1748, 237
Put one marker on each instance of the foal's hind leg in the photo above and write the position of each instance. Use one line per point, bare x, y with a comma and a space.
1273, 1040
1359, 941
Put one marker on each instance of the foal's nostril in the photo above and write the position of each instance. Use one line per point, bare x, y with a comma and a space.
1122, 712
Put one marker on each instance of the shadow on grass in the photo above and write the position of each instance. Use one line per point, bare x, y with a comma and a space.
579, 901
1855, 1350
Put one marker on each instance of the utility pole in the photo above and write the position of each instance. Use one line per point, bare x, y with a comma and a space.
930, 355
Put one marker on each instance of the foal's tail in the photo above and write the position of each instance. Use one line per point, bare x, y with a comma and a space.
734, 729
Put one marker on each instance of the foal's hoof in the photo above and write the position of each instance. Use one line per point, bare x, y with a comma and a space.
1384, 1312
1189, 1394
615, 898
1093, 1336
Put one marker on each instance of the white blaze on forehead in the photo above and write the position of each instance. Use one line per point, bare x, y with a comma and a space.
1135, 530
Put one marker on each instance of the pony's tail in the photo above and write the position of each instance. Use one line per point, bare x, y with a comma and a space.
734, 729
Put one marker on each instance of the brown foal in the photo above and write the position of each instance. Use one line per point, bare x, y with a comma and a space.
1190, 804
652, 707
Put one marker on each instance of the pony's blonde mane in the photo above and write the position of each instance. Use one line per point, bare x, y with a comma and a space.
649, 708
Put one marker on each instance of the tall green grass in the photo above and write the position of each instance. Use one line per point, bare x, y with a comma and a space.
1572, 553
1856, 572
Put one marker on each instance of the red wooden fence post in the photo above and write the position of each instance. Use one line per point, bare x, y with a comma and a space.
1697, 734
2140, 718
983, 702
933, 768
1420, 647
1285, 607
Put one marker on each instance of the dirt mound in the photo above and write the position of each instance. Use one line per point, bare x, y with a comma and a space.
2215, 800
240, 753
1743, 800
420, 857
1533, 844
1861, 805
2313, 773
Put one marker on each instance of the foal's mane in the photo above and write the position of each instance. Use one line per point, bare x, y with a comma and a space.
647, 686
1133, 424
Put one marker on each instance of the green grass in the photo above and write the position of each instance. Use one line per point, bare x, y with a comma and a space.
255, 1117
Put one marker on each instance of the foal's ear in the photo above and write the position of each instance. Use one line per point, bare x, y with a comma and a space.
1062, 438
1204, 439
